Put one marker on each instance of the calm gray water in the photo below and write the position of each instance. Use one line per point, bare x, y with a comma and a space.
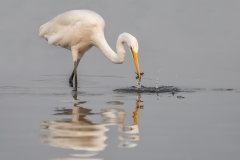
43, 118
191, 45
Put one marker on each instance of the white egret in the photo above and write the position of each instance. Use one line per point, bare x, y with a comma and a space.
79, 30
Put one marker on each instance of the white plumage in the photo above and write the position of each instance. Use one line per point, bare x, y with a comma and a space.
79, 30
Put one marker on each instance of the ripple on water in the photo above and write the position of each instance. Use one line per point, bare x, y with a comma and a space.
161, 89
115, 102
223, 89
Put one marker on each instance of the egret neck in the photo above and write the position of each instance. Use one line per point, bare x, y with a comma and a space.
118, 58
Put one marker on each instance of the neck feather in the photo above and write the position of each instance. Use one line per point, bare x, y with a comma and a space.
118, 57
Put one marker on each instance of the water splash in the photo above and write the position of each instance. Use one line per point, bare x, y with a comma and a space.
161, 89
157, 83
138, 85
157, 80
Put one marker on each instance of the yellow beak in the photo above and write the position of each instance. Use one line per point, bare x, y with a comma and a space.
135, 58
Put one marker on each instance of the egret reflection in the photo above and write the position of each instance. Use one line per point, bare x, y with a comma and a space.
81, 134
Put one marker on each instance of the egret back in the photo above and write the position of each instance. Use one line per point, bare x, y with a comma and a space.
72, 28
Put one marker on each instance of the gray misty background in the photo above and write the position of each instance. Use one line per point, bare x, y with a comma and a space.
195, 43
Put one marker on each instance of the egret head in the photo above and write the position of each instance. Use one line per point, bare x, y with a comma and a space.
133, 45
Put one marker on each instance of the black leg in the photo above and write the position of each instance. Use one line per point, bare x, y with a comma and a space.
71, 79
74, 73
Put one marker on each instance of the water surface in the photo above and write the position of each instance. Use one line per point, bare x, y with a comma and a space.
47, 119
193, 49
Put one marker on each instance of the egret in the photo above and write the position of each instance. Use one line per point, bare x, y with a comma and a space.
80, 30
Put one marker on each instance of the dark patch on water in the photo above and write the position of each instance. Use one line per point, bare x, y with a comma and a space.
119, 96
223, 89
11, 87
161, 89
88, 94
180, 97
115, 102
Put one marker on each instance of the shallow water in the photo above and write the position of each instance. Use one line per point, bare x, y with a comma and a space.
190, 51
50, 120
